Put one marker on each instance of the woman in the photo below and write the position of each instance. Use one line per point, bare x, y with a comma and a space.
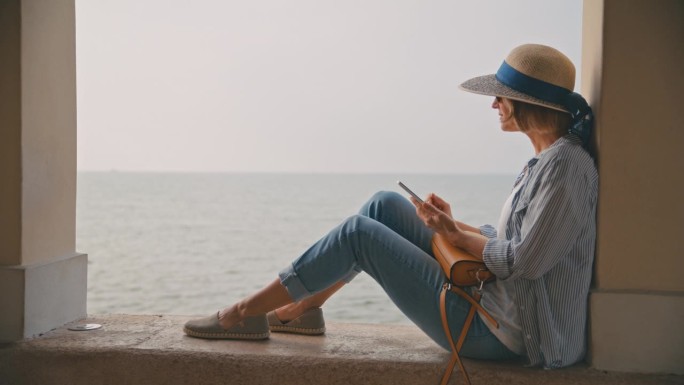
541, 251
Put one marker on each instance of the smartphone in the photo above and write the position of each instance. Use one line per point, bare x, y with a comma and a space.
408, 190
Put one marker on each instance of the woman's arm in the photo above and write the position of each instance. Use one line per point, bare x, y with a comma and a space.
472, 242
466, 227
444, 206
436, 214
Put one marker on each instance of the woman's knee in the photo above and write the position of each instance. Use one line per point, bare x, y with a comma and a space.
382, 201
356, 223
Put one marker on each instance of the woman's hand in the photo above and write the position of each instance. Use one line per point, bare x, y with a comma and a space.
436, 214
440, 204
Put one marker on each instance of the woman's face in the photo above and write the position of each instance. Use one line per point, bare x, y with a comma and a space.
505, 114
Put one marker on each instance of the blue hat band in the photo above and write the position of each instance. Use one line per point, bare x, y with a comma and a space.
531, 86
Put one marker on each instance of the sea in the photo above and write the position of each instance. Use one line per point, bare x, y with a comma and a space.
193, 243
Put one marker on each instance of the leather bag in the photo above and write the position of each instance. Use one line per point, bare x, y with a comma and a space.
462, 269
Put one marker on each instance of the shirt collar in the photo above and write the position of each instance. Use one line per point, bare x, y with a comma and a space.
567, 138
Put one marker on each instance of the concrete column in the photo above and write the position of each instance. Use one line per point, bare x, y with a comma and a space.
42, 277
633, 55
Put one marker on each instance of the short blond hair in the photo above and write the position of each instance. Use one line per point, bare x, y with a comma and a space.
533, 117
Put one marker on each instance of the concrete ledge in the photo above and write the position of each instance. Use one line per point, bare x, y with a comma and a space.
148, 349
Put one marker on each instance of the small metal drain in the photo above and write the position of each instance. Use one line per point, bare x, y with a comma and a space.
85, 327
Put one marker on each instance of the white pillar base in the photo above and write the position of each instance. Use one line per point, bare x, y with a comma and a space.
37, 298
637, 332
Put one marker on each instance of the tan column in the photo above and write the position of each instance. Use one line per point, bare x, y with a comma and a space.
42, 277
633, 55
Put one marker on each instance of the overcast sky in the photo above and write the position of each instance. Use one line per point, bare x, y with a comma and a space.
303, 85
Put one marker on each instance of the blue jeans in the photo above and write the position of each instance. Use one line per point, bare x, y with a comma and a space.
388, 241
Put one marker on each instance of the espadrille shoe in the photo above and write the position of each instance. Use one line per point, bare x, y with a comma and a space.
251, 328
309, 323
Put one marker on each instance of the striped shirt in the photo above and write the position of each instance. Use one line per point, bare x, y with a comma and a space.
548, 252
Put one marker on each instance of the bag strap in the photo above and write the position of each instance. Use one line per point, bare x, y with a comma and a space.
456, 348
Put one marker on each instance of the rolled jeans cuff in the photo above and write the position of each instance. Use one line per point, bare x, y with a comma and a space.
294, 286
352, 274
296, 289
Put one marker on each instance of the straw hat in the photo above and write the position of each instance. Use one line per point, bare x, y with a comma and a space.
532, 73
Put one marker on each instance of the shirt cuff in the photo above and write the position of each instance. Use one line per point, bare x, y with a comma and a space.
488, 231
495, 257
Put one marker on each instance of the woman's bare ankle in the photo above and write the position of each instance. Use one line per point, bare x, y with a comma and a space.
286, 313
292, 311
230, 316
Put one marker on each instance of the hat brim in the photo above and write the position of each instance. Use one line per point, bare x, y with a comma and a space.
488, 85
